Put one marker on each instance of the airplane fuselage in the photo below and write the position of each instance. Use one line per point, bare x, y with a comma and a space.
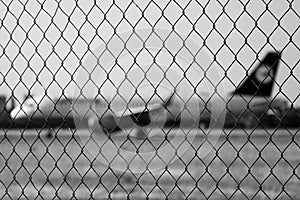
63, 113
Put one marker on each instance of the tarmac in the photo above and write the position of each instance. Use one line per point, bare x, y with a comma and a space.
238, 164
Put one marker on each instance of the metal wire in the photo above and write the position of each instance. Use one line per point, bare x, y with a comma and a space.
44, 46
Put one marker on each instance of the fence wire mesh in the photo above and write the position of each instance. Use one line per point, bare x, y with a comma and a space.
96, 123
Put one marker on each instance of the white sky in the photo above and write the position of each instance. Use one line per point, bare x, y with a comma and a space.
38, 44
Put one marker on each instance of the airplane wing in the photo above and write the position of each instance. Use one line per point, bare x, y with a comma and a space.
141, 115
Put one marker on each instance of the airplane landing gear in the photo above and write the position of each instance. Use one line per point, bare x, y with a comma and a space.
49, 134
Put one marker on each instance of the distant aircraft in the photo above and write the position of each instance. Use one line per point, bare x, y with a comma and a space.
246, 105
44, 112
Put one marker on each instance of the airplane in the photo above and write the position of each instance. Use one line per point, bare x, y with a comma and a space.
42, 112
46, 113
244, 106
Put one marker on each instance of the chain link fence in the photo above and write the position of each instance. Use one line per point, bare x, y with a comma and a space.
145, 99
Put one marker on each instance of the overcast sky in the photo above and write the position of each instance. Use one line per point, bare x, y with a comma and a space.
42, 46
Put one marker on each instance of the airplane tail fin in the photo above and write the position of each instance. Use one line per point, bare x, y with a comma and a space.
261, 81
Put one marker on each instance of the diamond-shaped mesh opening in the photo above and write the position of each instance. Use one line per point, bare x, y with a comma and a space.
149, 99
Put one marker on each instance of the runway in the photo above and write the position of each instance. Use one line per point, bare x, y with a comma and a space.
259, 164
